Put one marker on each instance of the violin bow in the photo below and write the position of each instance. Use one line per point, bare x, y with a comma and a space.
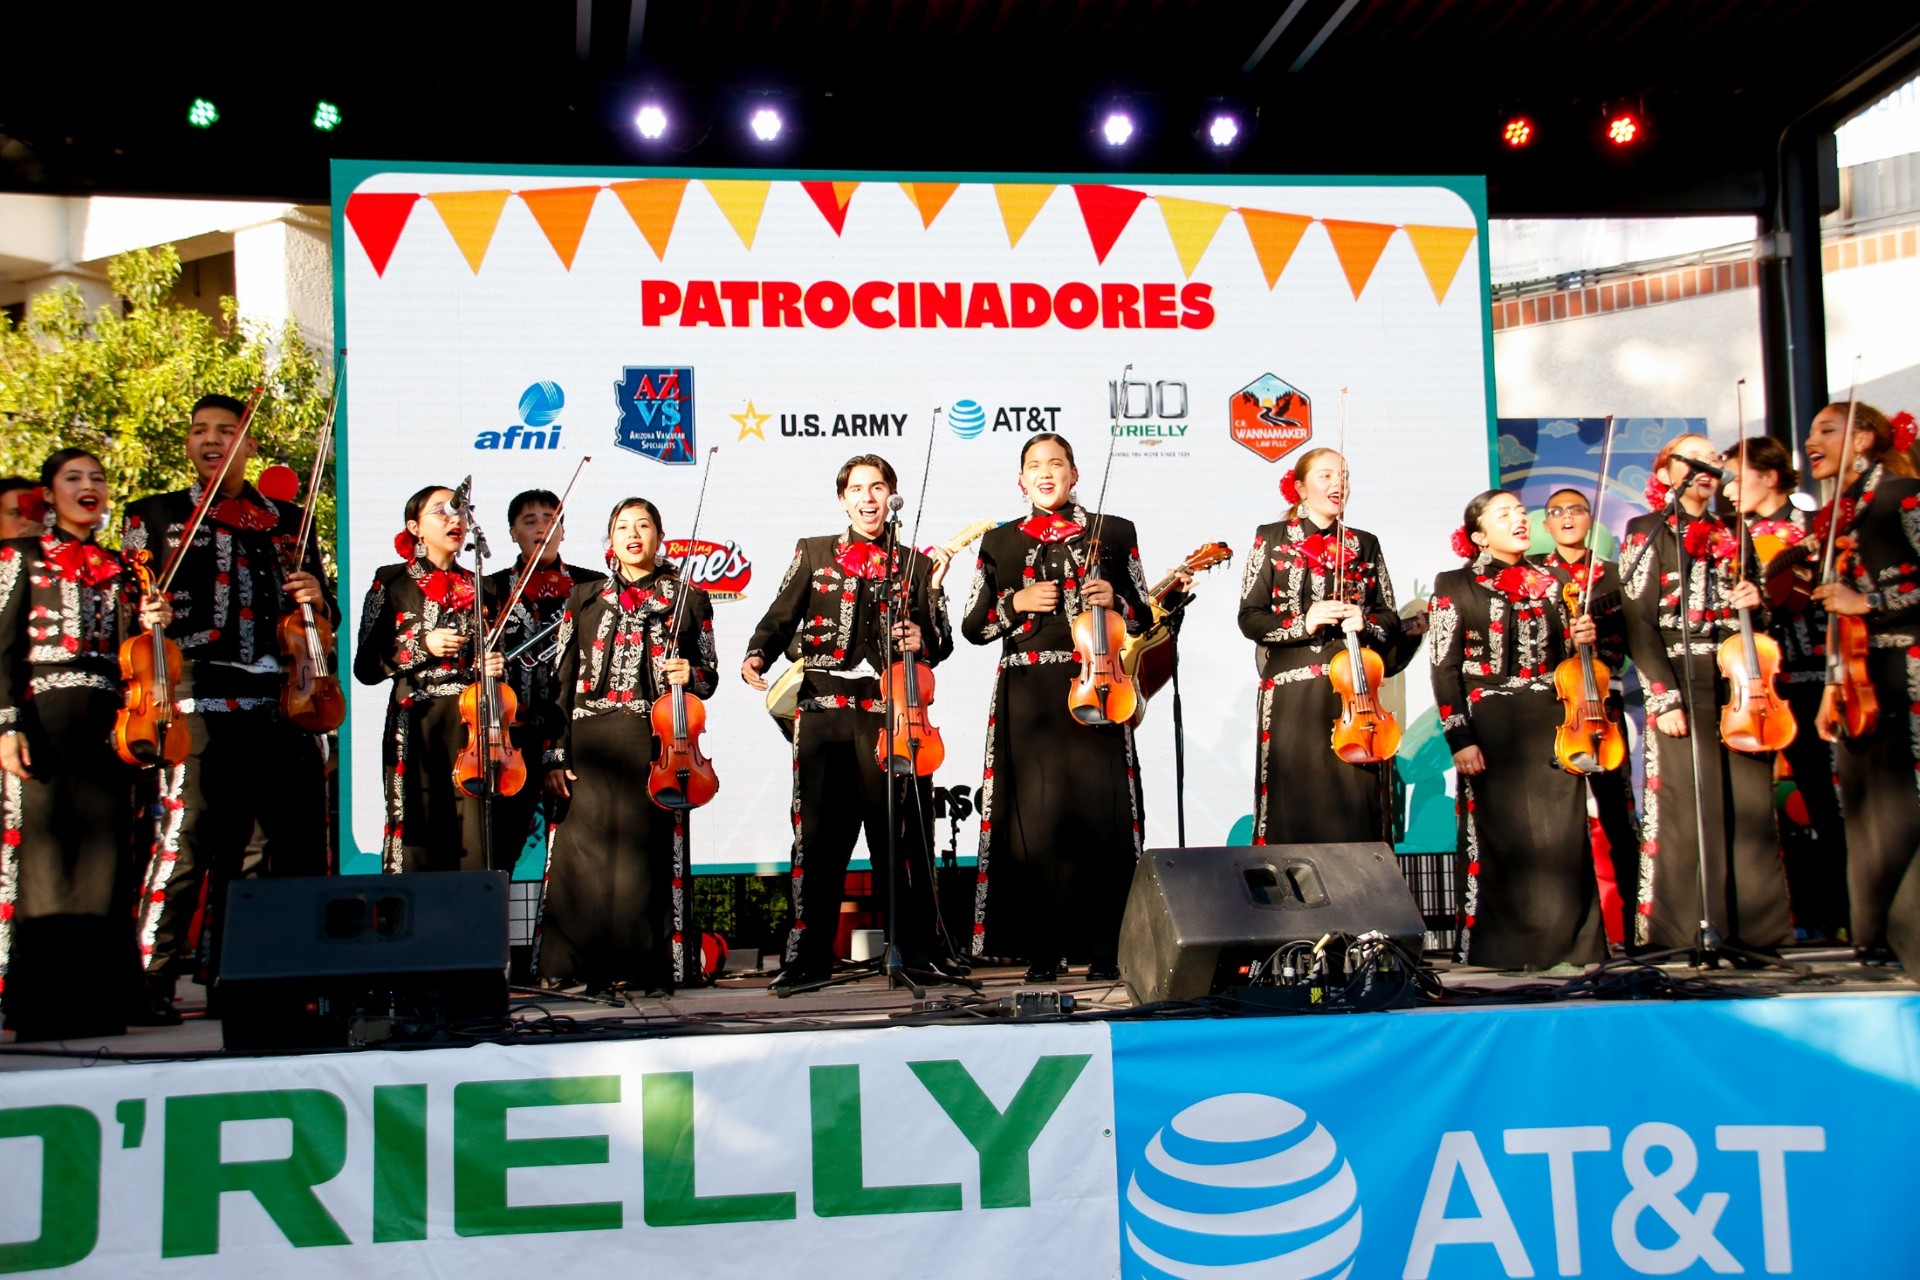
492, 637
699, 507
1840, 479
1740, 447
1340, 522
1106, 474
1599, 496
211, 493
323, 445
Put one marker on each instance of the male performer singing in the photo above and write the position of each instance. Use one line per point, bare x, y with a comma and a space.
828, 617
246, 764
532, 624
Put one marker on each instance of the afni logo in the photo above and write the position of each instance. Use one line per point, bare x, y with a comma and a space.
656, 412
538, 428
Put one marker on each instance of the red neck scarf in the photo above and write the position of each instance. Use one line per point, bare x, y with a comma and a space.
448, 588
80, 561
1050, 526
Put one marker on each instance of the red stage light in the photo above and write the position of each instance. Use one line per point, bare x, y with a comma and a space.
1623, 128
1518, 133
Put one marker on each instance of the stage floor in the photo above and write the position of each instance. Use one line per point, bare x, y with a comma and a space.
743, 1002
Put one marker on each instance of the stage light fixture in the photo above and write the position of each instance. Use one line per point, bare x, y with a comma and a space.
202, 114
1623, 128
1517, 133
766, 124
651, 121
326, 116
1223, 131
1117, 128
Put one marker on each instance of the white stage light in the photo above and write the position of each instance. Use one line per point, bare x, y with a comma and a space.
766, 124
651, 121
1117, 129
1223, 131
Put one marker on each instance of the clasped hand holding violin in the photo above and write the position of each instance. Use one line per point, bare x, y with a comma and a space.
679, 672
1471, 760
15, 757
445, 642
1745, 595
906, 635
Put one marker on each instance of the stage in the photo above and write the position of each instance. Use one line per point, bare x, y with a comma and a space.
1509, 1128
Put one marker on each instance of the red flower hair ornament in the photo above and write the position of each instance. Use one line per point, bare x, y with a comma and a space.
1905, 430
1290, 488
33, 504
1463, 545
406, 545
1656, 493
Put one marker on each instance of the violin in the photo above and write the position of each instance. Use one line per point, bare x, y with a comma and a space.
145, 730
910, 739
1104, 692
1364, 732
1589, 739
1849, 699
1756, 718
681, 777
488, 764
310, 694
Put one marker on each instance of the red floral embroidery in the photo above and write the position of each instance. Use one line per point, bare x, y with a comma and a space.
548, 584
238, 513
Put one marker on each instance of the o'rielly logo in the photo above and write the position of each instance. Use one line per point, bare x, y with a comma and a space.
656, 412
720, 569
1243, 1184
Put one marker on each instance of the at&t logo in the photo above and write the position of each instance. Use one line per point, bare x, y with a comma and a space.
969, 418
538, 428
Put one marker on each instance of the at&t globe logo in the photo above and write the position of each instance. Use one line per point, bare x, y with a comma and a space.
1243, 1185
967, 418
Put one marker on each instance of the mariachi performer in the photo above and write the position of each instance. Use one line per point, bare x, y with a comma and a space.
1290, 608
247, 764
1061, 819
417, 630
12, 523
1879, 549
1746, 888
616, 910
1569, 520
69, 966
828, 616
529, 641
1497, 629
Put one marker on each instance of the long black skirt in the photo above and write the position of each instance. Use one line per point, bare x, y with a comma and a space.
1060, 825
72, 962
1532, 898
615, 898
432, 825
1303, 792
1877, 789
1746, 881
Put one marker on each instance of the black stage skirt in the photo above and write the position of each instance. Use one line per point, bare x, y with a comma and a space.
439, 827
1877, 790
1303, 793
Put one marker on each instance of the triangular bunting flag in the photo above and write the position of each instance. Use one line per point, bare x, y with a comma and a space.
1019, 203
562, 214
1274, 237
929, 198
1440, 250
1358, 245
377, 218
471, 217
1192, 224
654, 206
831, 198
742, 201
1107, 210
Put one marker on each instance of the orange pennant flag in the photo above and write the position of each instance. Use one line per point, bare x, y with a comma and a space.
929, 198
742, 201
654, 206
1192, 224
471, 217
562, 214
1274, 237
1440, 250
1020, 202
1358, 245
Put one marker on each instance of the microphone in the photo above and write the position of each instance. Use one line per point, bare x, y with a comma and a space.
463, 495
896, 502
1706, 469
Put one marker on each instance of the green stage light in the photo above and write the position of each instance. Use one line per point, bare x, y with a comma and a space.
326, 117
202, 114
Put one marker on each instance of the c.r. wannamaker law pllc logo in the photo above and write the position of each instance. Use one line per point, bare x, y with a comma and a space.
1242, 1184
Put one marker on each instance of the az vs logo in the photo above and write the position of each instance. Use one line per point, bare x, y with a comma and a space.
656, 412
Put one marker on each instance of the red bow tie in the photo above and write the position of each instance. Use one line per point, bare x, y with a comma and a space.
1316, 549
81, 562
448, 590
238, 513
1051, 528
632, 599
1522, 583
548, 584
863, 560
1711, 539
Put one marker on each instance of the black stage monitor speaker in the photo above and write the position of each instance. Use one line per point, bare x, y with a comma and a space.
1196, 917
327, 961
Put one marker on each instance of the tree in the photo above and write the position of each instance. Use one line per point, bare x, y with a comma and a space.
123, 385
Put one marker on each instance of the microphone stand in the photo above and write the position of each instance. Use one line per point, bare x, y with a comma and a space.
477, 543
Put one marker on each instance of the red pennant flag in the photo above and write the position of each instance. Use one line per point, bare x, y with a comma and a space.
377, 218
832, 199
1107, 211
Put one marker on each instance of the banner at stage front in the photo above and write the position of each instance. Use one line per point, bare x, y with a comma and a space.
506, 323
1753, 1137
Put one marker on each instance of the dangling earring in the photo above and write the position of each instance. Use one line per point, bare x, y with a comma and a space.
1860, 465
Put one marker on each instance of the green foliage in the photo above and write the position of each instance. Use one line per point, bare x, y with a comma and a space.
123, 385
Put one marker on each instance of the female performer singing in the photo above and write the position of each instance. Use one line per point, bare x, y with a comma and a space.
1746, 889
1289, 608
1879, 516
1060, 804
1497, 629
416, 629
616, 911
69, 963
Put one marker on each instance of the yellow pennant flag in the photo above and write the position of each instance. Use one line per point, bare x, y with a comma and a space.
654, 206
471, 217
1440, 250
929, 198
1192, 224
1020, 202
1358, 245
1274, 237
742, 201
562, 214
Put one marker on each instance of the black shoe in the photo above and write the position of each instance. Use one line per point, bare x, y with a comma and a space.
1042, 973
793, 977
155, 1008
1105, 972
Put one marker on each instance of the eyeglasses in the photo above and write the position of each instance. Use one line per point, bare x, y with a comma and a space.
1555, 513
446, 511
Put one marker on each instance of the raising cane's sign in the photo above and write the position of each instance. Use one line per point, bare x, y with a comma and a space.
721, 569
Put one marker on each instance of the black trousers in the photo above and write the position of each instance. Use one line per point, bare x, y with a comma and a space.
840, 792
243, 767
1817, 869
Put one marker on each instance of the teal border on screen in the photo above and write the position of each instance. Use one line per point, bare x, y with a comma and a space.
347, 175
